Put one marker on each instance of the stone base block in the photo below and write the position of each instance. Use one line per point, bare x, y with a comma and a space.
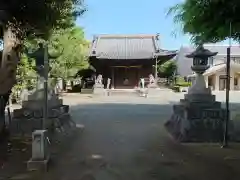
153, 86
155, 91
200, 97
86, 91
25, 121
99, 91
33, 165
142, 92
36, 104
197, 122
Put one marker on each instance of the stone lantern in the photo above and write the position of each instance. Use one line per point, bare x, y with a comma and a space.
197, 117
200, 65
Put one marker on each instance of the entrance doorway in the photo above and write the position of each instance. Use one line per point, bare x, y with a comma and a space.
125, 77
222, 83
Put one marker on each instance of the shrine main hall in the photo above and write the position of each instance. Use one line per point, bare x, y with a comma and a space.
127, 58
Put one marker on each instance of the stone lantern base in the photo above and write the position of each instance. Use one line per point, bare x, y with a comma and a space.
197, 118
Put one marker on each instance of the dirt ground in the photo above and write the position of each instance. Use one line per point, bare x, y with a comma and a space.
127, 141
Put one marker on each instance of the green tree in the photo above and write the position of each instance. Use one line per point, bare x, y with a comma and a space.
26, 76
27, 18
168, 69
72, 46
208, 21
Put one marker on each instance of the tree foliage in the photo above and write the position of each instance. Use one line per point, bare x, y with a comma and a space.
21, 19
26, 76
72, 46
27, 17
208, 20
168, 69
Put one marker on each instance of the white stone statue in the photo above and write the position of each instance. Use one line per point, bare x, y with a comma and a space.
151, 79
108, 83
99, 80
142, 83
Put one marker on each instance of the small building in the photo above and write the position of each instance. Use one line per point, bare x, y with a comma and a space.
127, 58
215, 76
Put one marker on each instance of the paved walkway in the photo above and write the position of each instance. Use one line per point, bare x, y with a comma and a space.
124, 139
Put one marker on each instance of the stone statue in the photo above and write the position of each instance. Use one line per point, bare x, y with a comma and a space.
142, 83
151, 79
152, 83
99, 80
108, 83
98, 87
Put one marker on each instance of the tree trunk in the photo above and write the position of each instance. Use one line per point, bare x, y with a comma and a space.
10, 59
72, 84
64, 85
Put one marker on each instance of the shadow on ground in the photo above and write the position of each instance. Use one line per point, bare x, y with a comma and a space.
123, 141
128, 141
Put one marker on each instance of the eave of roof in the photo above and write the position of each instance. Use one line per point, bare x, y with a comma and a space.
128, 47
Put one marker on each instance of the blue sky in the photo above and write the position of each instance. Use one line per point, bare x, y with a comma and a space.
133, 17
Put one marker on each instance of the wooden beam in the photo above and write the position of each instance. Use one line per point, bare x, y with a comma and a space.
127, 66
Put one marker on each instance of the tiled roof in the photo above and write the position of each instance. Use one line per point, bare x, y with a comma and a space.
220, 67
222, 49
127, 47
184, 64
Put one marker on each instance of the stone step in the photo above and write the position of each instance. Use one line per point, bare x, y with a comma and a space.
123, 92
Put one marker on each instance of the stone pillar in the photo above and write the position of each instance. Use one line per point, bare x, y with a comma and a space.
216, 82
113, 80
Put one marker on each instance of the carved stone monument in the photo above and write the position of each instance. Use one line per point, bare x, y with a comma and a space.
98, 88
30, 116
198, 117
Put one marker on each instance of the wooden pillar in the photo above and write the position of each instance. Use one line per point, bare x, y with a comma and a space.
217, 82
113, 82
138, 75
238, 83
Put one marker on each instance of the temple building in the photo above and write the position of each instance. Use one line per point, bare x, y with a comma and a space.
127, 58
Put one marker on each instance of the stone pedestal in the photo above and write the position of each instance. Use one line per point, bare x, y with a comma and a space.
153, 90
197, 118
29, 117
98, 89
36, 100
40, 151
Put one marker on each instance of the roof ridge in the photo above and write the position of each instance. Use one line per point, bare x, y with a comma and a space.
221, 45
126, 35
